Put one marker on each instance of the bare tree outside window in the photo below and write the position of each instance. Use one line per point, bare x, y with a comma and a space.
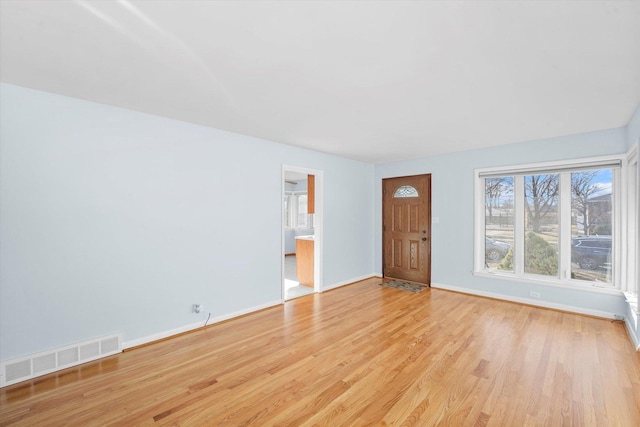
541, 244
541, 197
494, 189
582, 190
591, 225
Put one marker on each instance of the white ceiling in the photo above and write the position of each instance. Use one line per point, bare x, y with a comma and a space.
376, 81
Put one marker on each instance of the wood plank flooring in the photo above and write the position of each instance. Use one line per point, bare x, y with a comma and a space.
356, 356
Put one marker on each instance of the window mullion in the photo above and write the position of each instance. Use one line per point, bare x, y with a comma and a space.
633, 221
480, 224
518, 253
616, 229
564, 246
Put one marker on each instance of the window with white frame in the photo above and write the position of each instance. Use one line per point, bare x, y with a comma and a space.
302, 220
552, 222
295, 210
632, 233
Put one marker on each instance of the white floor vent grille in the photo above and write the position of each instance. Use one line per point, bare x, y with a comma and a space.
34, 365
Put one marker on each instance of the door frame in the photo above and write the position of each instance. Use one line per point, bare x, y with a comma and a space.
317, 225
429, 222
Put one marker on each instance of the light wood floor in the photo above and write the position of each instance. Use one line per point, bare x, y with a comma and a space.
359, 355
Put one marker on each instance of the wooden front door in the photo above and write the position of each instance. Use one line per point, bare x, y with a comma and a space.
406, 218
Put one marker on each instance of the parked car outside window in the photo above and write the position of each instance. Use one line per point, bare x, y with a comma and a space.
495, 250
591, 252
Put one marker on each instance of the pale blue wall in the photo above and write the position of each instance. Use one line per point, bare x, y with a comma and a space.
117, 221
452, 202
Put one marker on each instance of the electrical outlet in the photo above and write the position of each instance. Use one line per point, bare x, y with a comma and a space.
197, 308
534, 294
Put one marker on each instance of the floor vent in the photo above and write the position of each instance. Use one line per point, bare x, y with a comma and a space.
34, 365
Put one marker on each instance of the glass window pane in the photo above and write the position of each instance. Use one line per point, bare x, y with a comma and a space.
591, 225
406, 191
541, 224
499, 223
302, 212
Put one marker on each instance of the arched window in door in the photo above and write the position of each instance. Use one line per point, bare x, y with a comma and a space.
405, 191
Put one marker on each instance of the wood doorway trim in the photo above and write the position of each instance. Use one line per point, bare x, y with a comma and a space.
406, 228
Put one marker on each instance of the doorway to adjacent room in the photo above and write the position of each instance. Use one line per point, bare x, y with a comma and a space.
301, 231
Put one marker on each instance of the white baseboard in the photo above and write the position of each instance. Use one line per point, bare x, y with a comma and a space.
348, 282
193, 326
528, 301
632, 335
634, 338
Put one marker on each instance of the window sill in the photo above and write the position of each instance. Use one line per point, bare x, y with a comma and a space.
609, 290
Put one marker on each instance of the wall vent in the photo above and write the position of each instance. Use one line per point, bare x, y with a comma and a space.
31, 366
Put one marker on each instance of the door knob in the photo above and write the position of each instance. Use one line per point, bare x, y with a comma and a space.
424, 239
